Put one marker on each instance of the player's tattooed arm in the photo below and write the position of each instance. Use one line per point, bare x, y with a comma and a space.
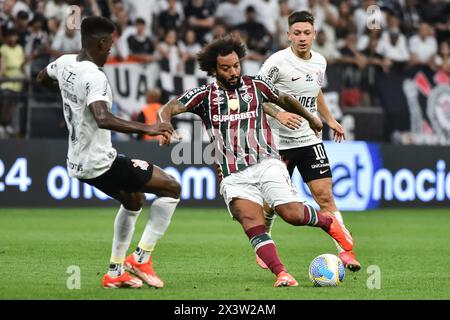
290, 120
338, 130
165, 114
289, 103
106, 120
44, 79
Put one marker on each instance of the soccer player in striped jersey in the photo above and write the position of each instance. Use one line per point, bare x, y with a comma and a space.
299, 71
248, 164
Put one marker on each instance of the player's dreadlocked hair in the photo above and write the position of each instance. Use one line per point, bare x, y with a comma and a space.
300, 16
95, 27
207, 58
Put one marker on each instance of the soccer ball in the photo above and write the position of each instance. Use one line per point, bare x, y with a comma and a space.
326, 270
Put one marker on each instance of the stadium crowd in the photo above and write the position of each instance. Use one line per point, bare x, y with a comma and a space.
363, 41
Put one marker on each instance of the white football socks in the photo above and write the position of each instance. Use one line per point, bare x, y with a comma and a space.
123, 233
159, 217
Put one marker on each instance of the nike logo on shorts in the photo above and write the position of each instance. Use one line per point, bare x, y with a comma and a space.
295, 79
323, 171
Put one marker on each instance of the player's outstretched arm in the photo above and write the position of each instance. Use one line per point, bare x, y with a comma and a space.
290, 120
289, 103
338, 130
165, 114
44, 79
106, 120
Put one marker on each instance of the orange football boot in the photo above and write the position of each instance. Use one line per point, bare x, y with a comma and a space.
124, 281
144, 271
340, 234
284, 279
349, 260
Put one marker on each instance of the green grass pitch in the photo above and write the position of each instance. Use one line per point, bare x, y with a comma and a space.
205, 255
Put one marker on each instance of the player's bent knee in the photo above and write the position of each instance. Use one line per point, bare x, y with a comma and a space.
173, 188
292, 213
135, 201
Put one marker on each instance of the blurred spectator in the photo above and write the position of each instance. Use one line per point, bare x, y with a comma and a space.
22, 27
56, 11
170, 53
53, 28
298, 5
371, 74
140, 45
257, 37
143, 9
171, 18
6, 17
352, 64
219, 30
39, 8
344, 24
149, 112
37, 48
199, 17
411, 17
189, 48
21, 5
12, 61
436, 13
66, 41
442, 60
423, 47
281, 37
231, 13
267, 12
392, 46
326, 48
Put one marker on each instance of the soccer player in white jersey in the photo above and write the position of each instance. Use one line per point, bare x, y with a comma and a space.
299, 71
91, 158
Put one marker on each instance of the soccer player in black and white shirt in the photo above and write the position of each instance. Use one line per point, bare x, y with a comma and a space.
299, 71
248, 164
91, 158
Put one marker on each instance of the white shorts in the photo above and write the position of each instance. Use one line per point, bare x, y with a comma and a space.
267, 181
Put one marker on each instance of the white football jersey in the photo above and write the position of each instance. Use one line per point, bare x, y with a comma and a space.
90, 151
302, 79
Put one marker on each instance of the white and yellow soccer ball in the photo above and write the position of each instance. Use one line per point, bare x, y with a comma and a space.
326, 270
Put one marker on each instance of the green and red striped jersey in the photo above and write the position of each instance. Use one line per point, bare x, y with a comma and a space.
235, 121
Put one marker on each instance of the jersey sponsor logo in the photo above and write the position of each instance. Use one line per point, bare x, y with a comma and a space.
295, 79
74, 166
320, 165
234, 117
308, 102
143, 165
69, 96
